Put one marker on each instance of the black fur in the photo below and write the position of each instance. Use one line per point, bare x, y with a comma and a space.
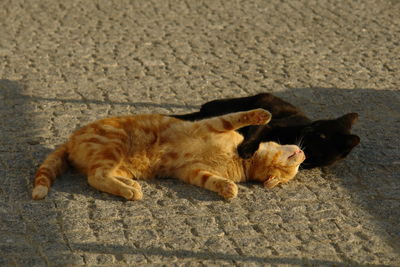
324, 141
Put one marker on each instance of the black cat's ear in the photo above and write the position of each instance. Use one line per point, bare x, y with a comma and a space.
351, 141
348, 120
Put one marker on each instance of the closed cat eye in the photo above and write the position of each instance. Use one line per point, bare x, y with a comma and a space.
322, 136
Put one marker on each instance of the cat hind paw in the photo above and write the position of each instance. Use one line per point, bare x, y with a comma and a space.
129, 182
259, 116
131, 193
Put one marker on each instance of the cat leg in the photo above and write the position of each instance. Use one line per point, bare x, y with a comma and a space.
278, 107
235, 121
102, 177
224, 187
220, 107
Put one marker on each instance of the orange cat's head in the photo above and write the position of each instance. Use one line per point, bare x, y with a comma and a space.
274, 164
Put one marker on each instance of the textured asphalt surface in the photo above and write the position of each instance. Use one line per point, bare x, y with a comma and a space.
65, 63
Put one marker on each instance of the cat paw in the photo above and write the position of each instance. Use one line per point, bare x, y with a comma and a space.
132, 190
129, 182
271, 183
260, 116
131, 193
228, 189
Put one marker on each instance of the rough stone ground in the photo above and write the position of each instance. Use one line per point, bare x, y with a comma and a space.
65, 63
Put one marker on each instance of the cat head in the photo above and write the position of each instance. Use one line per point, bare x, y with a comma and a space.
327, 141
275, 164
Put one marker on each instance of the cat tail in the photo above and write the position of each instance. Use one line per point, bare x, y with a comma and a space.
54, 165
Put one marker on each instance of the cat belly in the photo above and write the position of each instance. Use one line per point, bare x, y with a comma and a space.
215, 153
126, 144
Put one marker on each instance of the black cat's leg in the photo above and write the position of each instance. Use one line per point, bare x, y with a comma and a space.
224, 106
278, 107
234, 121
229, 105
195, 116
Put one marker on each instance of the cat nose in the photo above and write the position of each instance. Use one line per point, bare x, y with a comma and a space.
297, 152
302, 153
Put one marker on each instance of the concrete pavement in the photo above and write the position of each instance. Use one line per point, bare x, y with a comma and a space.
65, 63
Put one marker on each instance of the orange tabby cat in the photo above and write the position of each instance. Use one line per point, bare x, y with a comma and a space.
113, 152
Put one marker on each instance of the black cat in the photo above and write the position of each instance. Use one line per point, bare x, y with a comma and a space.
324, 141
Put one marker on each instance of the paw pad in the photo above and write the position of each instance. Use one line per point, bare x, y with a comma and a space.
261, 116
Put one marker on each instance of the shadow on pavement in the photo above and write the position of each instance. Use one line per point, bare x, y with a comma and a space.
209, 255
369, 174
25, 226
98, 102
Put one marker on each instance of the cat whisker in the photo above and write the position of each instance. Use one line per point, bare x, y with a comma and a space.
300, 142
301, 167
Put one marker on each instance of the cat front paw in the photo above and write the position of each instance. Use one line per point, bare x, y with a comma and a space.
259, 116
228, 189
271, 183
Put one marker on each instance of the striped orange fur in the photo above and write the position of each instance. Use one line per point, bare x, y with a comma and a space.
114, 152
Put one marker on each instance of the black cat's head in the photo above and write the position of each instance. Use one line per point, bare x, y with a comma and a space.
327, 141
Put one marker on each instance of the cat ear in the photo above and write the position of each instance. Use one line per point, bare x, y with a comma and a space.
352, 140
348, 120
271, 182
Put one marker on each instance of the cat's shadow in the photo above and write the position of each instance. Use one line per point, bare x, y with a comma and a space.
72, 183
178, 189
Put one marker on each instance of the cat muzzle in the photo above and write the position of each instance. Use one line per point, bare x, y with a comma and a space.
297, 153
